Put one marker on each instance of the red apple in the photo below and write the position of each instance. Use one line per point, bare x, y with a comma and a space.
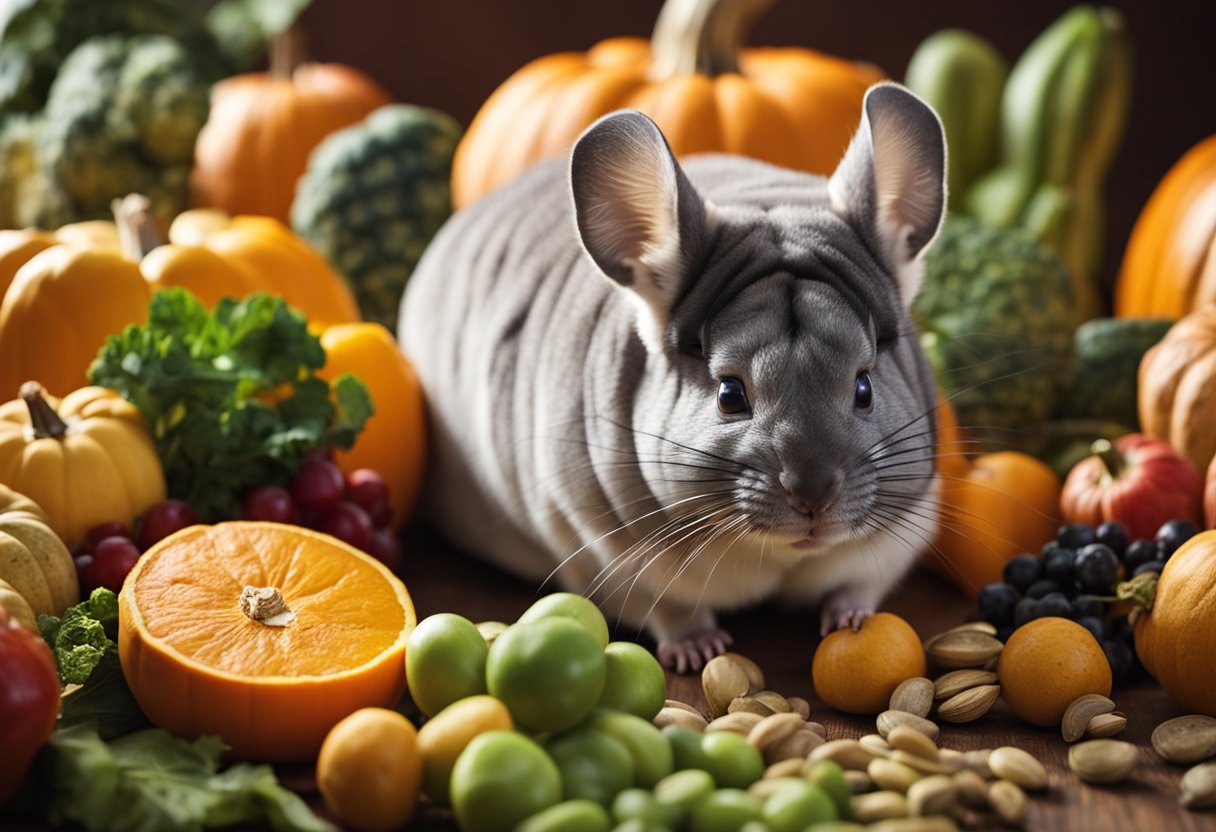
1139, 481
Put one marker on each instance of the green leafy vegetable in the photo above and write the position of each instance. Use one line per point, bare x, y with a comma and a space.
104, 703
151, 781
231, 397
83, 636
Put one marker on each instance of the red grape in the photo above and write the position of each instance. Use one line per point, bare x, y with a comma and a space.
162, 520
348, 523
269, 502
367, 489
112, 560
317, 486
84, 572
114, 528
385, 548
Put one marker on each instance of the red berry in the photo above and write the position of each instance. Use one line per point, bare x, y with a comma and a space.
162, 520
113, 558
348, 523
317, 486
269, 502
385, 548
84, 573
367, 489
114, 528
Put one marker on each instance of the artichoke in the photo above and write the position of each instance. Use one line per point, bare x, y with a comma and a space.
373, 196
122, 116
996, 316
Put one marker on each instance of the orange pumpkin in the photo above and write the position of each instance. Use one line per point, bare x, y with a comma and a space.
1176, 394
1169, 267
1176, 636
264, 634
1006, 503
791, 106
393, 441
951, 448
62, 304
263, 125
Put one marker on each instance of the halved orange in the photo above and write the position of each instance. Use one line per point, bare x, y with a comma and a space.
199, 664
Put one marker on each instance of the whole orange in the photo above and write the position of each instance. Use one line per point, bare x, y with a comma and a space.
858, 671
1048, 663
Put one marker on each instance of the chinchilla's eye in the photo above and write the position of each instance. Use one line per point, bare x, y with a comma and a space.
732, 396
863, 394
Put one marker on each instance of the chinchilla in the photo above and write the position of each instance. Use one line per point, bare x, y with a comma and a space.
686, 387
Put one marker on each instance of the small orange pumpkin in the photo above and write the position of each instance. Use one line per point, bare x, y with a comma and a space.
263, 125
1169, 266
1176, 393
1176, 625
790, 106
1006, 503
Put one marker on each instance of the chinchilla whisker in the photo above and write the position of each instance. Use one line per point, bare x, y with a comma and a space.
701, 526
739, 523
689, 448
738, 536
624, 526
686, 526
681, 564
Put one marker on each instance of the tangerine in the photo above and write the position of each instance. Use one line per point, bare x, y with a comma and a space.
857, 672
1046, 664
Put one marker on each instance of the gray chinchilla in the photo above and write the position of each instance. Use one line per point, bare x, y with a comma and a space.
687, 388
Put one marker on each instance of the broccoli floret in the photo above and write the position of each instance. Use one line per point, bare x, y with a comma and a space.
122, 117
82, 636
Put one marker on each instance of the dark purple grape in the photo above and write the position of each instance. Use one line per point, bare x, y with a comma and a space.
1003, 633
1149, 566
1026, 611
1020, 572
1042, 587
1173, 534
1113, 535
1054, 605
1097, 568
1075, 535
996, 602
1120, 657
1088, 605
1094, 625
1138, 552
1060, 565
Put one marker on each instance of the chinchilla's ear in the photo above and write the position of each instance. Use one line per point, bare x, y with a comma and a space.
639, 217
891, 184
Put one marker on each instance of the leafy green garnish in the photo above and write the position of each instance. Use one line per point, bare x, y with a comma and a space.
231, 396
83, 636
104, 702
149, 780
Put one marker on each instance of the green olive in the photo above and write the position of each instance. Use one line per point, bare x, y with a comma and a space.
569, 605
635, 681
445, 660
685, 748
652, 760
642, 805
569, 816
681, 791
593, 766
726, 810
501, 778
797, 805
732, 760
829, 776
549, 673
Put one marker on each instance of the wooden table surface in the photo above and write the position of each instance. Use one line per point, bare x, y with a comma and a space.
783, 642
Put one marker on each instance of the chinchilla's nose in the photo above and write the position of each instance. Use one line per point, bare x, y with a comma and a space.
812, 491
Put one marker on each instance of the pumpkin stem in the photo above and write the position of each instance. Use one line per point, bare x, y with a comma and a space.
43, 418
701, 37
287, 52
265, 605
1113, 461
1141, 590
137, 230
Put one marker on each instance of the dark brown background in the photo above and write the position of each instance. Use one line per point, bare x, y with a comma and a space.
452, 54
